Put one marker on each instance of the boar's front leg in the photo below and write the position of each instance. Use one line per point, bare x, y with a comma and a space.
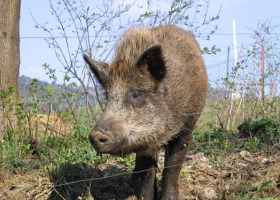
175, 154
145, 168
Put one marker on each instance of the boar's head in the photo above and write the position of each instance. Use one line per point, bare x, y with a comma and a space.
136, 116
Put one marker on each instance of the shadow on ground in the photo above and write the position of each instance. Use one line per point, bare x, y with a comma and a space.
80, 181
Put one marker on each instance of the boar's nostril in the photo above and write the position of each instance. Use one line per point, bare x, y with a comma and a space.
98, 138
103, 140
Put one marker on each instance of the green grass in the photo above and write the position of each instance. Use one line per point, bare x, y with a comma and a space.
224, 114
70, 157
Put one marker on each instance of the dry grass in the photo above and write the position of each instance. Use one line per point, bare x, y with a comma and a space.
51, 125
27, 185
232, 176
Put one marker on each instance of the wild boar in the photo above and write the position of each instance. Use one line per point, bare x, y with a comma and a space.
156, 87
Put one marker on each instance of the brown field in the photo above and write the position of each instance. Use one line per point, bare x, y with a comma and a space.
231, 176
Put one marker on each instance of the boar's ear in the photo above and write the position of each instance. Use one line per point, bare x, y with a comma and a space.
153, 59
99, 69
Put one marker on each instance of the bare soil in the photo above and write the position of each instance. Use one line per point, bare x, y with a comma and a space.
233, 176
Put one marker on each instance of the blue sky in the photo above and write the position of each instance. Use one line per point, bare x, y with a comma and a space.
247, 13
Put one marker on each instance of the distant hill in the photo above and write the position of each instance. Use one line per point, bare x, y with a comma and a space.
25, 85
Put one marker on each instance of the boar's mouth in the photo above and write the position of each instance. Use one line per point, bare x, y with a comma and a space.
120, 148
124, 148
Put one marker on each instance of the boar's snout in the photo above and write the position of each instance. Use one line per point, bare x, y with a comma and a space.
100, 141
107, 136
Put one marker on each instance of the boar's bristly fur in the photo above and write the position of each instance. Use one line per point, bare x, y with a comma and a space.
156, 88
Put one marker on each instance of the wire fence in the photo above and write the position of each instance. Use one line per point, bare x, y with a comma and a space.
234, 96
241, 90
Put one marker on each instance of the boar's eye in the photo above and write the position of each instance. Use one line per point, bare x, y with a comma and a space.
135, 98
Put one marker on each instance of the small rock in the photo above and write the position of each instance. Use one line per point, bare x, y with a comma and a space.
203, 165
250, 160
207, 194
241, 164
268, 161
226, 174
196, 156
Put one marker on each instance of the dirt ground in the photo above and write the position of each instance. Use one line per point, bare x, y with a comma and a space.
233, 176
